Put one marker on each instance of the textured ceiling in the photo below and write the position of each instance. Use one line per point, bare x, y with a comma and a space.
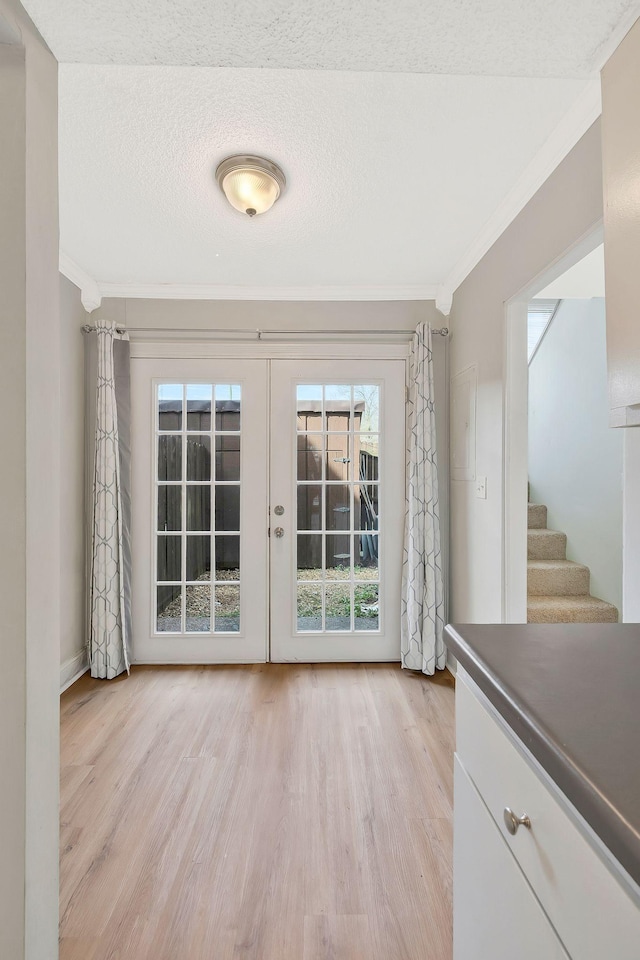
390, 176
529, 38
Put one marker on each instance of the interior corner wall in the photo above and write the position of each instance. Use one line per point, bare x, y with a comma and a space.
29, 507
72, 490
565, 208
166, 316
575, 457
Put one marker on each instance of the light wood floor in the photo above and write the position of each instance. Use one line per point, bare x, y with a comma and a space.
270, 812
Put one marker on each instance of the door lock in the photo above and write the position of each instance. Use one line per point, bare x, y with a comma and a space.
279, 510
278, 532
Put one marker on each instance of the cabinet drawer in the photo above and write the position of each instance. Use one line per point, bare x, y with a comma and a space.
593, 913
495, 914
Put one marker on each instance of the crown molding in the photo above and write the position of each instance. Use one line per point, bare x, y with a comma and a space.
444, 300
176, 291
573, 126
89, 291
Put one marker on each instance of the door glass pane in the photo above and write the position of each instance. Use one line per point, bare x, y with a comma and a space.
338, 468
366, 607
338, 456
227, 508
366, 407
365, 506
309, 557
169, 610
227, 607
338, 562
170, 406
227, 407
227, 558
170, 457
198, 558
228, 457
191, 602
337, 407
365, 556
199, 508
199, 406
169, 558
309, 406
338, 607
198, 457
170, 508
310, 456
338, 507
368, 449
309, 506
198, 609
309, 607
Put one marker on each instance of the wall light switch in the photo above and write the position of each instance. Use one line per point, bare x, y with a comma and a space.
481, 488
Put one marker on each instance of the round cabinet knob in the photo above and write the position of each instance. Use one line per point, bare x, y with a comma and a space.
279, 510
279, 532
512, 822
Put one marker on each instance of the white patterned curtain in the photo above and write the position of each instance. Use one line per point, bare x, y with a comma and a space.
422, 646
109, 596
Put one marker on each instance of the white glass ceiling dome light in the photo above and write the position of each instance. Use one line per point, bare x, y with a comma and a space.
251, 184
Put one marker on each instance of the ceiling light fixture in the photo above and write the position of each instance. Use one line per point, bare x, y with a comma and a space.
250, 184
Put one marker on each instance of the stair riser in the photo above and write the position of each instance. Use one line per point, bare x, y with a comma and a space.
550, 545
537, 516
567, 582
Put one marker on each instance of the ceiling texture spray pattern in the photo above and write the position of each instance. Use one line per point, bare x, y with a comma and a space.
402, 126
386, 177
520, 38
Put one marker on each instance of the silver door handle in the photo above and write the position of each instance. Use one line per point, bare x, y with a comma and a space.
278, 532
512, 822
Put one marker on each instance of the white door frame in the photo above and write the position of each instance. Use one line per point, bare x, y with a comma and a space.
204, 346
515, 426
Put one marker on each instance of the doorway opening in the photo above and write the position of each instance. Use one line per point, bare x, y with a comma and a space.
269, 499
540, 402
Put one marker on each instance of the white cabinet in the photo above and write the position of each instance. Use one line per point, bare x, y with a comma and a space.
551, 885
496, 914
621, 161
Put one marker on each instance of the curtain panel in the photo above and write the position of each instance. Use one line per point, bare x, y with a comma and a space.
422, 645
109, 501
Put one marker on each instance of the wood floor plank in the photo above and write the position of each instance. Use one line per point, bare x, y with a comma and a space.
266, 812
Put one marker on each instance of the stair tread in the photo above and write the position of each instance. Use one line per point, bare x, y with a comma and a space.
554, 564
545, 531
582, 608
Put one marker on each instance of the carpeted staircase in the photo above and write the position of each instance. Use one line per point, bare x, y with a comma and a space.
557, 588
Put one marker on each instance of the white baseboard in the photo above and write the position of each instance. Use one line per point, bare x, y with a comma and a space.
72, 669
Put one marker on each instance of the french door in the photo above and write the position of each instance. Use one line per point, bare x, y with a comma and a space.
337, 509
268, 501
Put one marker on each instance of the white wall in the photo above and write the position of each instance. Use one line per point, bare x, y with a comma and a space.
565, 209
575, 458
72, 407
29, 506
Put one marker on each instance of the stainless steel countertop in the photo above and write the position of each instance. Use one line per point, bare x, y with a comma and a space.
571, 693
